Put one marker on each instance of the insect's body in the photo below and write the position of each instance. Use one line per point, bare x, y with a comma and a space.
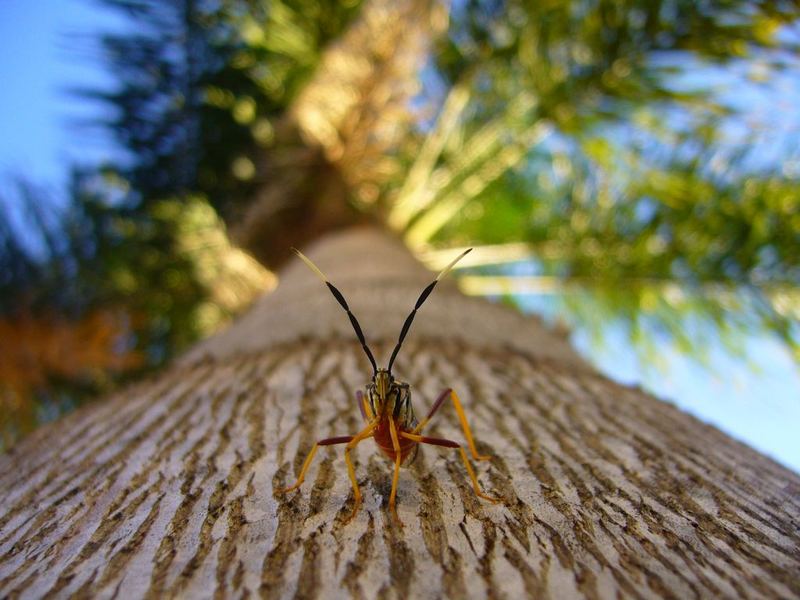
386, 408
395, 406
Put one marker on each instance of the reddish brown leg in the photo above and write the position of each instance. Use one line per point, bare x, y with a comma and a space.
342, 439
424, 439
436, 405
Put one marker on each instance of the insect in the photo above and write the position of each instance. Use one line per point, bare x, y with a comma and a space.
386, 408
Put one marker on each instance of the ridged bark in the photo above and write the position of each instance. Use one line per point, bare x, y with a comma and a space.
166, 488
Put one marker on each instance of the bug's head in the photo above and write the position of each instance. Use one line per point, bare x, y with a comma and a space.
383, 382
384, 393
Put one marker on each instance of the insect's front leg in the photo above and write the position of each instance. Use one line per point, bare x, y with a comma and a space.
351, 471
364, 407
342, 439
398, 459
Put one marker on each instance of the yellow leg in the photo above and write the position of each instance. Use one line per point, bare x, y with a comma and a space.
475, 485
464, 426
302, 475
368, 409
398, 459
351, 442
364, 406
421, 439
351, 471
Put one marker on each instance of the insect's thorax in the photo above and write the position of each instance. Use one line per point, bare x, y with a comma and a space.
396, 404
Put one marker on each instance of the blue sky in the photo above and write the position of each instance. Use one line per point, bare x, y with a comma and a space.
40, 60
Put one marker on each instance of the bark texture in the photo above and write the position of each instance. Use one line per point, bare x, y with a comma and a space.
165, 489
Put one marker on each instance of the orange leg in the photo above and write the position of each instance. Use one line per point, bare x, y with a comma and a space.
397, 460
461, 417
352, 441
421, 439
364, 407
344, 439
351, 471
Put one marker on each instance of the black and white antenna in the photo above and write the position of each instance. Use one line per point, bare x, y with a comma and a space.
422, 297
340, 299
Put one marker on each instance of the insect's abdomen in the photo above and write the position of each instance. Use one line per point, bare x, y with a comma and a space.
383, 438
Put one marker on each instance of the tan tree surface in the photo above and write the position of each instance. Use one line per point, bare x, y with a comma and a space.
166, 488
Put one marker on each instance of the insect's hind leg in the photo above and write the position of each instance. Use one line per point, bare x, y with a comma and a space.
436, 405
342, 439
462, 418
421, 439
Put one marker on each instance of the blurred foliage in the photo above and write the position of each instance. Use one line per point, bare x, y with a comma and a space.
32, 359
600, 145
106, 289
630, 180
200, 86
138, 266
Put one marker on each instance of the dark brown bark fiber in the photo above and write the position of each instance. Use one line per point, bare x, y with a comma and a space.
165, 489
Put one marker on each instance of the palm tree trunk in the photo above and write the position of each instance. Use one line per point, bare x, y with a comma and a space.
166, 488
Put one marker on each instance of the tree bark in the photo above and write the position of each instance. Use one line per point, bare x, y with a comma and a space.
337, 142
166, 489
